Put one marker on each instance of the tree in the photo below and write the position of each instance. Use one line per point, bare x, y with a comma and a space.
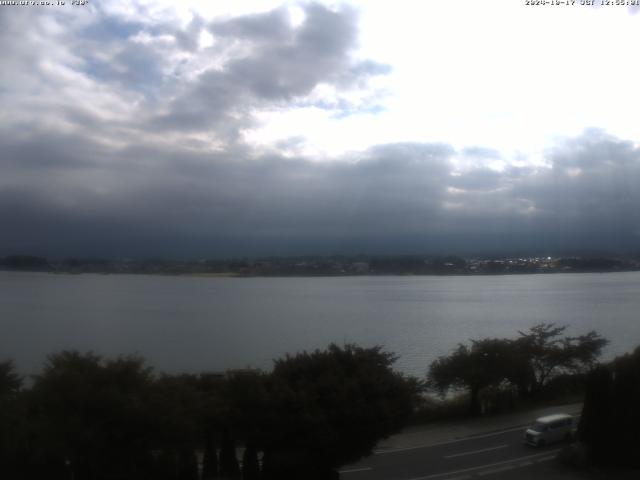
331, 407
12, 427
245, 399
89, 416
229, 466
209, 460
210, 418
482, 364
527, 363
546, 355
250, 464
10, 381
176, 405
595, 420
610, 421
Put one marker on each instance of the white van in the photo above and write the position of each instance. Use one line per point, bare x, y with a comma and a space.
550, 429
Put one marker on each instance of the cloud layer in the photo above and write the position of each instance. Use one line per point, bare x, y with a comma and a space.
134, 144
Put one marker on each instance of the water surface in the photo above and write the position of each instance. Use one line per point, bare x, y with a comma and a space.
193, 323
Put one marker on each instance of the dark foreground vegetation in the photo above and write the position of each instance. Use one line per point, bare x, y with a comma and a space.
336, 265
89, 418
85, 417
499, 372
610, 423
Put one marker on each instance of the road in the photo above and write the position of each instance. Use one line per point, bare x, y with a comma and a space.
480, 456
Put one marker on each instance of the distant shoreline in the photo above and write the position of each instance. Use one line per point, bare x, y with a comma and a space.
318, 275
330, 266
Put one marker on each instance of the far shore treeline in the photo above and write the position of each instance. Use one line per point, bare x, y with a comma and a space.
87, 417
335, 265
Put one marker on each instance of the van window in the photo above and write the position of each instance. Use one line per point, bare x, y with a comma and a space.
539, 427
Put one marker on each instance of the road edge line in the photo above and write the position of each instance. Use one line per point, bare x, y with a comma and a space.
489, 465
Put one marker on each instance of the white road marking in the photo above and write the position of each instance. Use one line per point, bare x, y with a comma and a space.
471, 469
475, 451
354, 470
427, 445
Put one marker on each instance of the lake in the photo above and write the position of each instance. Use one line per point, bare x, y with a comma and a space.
182, 323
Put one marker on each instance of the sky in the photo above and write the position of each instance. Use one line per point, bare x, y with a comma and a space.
200, 129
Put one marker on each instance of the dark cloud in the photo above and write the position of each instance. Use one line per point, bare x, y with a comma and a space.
133, 55
188, 38
280, 63
291, 63
174, 194
273, 26
594, 150
133, 66
399, 196
479, 179
106, 150
110, 28
160, 76
591, 185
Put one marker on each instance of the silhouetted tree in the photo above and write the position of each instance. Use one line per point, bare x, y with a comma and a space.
482, 364
10, 381
176, 405
597, 410
548, 354
210, 460
246, 401
229, 466
89, 418
610, 422
330, 408
12, 418
527, 363
250, 464
187, 464
166, 465
211, 416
